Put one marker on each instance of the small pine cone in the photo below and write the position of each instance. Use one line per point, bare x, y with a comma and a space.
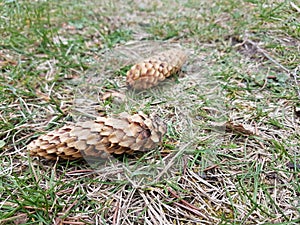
106, 135
151, 71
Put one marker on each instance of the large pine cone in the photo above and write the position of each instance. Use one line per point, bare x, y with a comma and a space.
106, 135
151, 71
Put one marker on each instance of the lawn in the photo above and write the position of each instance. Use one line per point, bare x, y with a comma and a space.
231, 154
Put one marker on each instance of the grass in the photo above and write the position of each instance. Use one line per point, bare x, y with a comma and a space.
232, 145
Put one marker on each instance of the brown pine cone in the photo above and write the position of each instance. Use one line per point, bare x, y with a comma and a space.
151, 71
106, 135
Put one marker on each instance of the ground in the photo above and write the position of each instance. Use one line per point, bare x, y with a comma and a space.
231, 153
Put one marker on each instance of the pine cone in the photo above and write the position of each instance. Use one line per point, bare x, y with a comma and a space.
106, 135
151, 71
